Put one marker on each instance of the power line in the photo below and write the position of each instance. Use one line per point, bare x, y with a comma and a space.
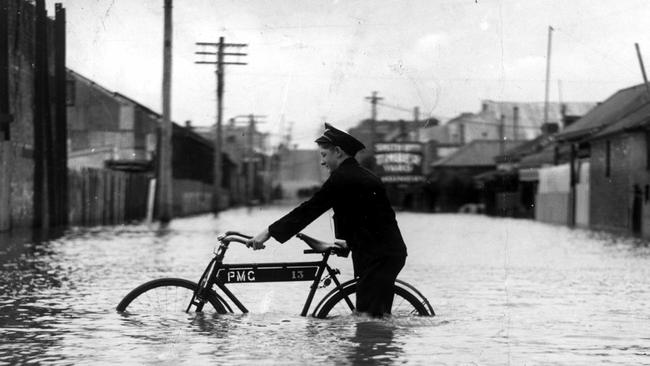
395, 107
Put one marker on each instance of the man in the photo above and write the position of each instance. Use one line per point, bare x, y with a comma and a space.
363, 218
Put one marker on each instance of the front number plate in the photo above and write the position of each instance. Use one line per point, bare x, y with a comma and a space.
268, 274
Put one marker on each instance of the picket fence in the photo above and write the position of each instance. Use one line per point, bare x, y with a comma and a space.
105, 197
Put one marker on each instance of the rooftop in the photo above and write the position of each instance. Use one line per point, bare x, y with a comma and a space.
614, 109
477, 153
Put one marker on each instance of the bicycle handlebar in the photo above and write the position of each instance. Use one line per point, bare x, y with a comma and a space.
231, 236
317, 246
229, 233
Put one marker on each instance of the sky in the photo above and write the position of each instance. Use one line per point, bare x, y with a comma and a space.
311, 61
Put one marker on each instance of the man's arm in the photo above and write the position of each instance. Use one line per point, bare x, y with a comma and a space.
301, 216
258, 241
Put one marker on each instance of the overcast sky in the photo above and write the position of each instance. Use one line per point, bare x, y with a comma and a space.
315, 60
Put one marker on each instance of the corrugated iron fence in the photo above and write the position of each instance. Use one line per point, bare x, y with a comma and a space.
105, 197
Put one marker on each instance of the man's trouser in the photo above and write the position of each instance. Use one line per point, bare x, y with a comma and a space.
375, 288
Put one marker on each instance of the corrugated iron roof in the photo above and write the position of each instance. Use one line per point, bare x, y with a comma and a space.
525, 148
476, 153
638, 118
611, 111
544, 157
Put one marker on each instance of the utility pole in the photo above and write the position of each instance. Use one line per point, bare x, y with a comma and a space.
249, 159
61, 134
164, 192
373, 122
416, 122
645, 78
250, 175
515, 123
220, 72
548, 72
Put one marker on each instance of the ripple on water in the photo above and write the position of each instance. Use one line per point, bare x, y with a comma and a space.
505, 291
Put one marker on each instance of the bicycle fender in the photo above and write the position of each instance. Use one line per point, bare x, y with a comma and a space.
334, 291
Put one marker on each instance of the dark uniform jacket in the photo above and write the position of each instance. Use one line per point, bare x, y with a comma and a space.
362, 213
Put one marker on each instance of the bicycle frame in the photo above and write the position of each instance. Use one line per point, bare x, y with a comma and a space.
220, 274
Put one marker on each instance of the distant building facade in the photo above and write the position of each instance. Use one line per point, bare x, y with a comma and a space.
107, 126
613, 141
299, 171
451, 181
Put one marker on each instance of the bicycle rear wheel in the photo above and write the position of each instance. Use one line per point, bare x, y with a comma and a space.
165, 296
405, 303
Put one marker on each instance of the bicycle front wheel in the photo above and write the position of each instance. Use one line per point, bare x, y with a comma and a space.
405, 303
167, 295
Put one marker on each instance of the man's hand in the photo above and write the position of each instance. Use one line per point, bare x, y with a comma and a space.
342, 244
258, 241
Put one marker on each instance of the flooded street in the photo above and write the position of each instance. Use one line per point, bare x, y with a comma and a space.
505, 291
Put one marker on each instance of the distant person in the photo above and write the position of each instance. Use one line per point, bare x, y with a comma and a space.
363, 217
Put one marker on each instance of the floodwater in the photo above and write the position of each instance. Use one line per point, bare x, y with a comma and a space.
505, 292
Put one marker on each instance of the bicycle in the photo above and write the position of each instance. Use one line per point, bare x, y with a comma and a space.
186, 294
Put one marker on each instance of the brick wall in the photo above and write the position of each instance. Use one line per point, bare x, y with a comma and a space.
611, 197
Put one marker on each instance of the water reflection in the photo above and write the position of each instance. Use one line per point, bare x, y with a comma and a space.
30, 275
374, 343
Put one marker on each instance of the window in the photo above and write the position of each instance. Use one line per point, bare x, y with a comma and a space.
608, 154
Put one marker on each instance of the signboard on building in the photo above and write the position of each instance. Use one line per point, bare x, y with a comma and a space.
399, 162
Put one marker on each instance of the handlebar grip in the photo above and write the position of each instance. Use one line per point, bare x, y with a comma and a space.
228, 233
235, 239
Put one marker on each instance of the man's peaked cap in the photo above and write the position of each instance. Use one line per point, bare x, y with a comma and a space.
345, 141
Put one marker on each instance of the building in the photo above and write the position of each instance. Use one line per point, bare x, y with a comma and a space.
620, 175
525, 120
33, 173
250, 174
603, 198
108, 130
611, 143
385, 131
511, 121
106, 126
299, 171
451, 181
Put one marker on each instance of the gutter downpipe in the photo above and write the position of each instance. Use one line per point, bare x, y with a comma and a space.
572, 185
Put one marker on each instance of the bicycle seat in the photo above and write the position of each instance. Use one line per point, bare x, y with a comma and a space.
339, 248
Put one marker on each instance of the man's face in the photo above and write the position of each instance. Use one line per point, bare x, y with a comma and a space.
329, 158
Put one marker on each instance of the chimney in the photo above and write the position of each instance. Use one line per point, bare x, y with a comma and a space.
515, 123
484, 107
188, 124
563, 117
